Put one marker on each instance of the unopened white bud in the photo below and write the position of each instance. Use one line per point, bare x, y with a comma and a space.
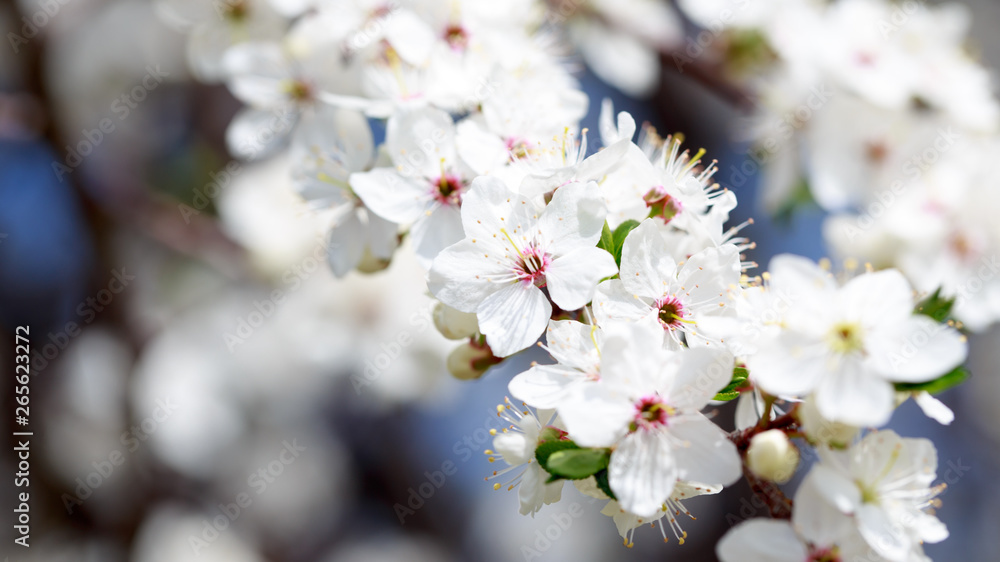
454, 324
371, 264
820, 430
467, 361
772, 456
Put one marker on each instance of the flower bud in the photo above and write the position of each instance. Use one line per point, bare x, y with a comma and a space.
820, 430
454, 324
772, 456
469, 361
371, 264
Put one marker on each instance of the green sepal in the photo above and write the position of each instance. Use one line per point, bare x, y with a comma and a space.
731, 390
952, 379
545, 449
935, 306
613, 241
607, 241
800, 198
577, 464
602, 482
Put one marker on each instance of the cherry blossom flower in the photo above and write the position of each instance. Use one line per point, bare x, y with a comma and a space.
646, 404
652, 285
517, 255
849, 343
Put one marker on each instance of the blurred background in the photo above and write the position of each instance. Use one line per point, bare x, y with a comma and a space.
204, 389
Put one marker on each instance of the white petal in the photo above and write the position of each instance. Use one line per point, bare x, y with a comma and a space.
346, 245
531, 490
490, 208
761, 540
934, 408
597, 165
620, 59
410, 36
747, 412
917, 349
836, 488
574, 344
788, 364
482, 150
462, 276
642, 472
256, 133
383, 236
573, 277
258, 73
882, 297
514, 447
647, 268
886, 538
703, 373
930, 529
824, 503
435, 232
573, 219
707, 454
855, 396
796, 275
612, 301
342, 132
418, 138
546, 386
595, 417
513, 318
391, 196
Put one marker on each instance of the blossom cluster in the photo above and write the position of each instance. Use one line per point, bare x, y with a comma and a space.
620, 259
877, 112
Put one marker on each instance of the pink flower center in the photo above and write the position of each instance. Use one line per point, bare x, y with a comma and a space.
448, 189
661, 204
236, 10
517, 148
531, 265
650, 412
823, 555
457, 37
671, 312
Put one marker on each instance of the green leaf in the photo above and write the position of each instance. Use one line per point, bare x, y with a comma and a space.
936, 306
801, 197
576, 464
619, 236
603, 484
607, 241
938, 385
545, 449
731, 390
